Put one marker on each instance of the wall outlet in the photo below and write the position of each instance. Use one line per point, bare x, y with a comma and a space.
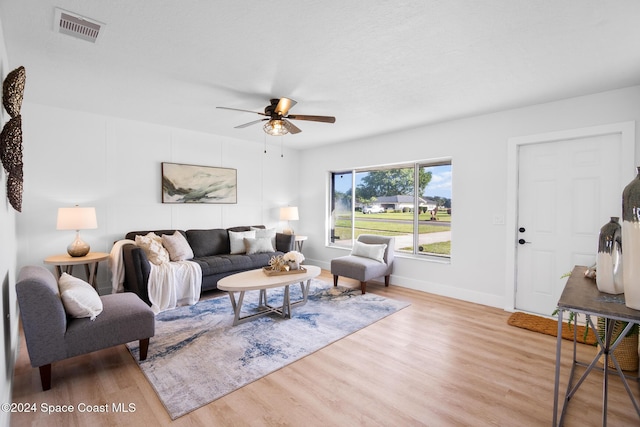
498, 220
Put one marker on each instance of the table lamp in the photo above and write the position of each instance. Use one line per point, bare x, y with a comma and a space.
290, 213
77, 218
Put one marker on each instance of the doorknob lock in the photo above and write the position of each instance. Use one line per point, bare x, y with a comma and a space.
522, 241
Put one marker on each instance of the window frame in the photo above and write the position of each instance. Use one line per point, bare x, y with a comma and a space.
417, 166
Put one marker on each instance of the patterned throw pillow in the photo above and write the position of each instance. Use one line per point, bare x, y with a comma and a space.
152, 246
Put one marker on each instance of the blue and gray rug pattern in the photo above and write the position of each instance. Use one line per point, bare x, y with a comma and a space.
197, 356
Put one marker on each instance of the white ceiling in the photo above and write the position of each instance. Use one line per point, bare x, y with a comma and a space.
377, 66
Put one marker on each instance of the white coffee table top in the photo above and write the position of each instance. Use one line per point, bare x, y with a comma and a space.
256, 279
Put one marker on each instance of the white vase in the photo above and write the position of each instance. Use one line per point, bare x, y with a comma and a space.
631, 243
608, 260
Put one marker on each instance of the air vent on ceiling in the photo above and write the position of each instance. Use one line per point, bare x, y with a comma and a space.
77, 26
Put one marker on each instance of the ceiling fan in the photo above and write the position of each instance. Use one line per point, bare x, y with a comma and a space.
277, 121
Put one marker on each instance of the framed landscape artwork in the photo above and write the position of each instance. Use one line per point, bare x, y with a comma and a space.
198, 184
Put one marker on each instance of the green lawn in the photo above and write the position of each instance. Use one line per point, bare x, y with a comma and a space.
391, 228
440, 248
442, 216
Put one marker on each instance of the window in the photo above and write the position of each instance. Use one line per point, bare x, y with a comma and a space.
386, 201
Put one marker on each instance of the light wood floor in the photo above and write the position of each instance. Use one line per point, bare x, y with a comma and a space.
439, 362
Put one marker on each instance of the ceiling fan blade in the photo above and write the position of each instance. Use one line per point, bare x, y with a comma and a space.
324, 119
249, 124
238, 109
291, 127
284, 105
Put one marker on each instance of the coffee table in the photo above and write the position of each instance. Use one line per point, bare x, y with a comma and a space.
257, 280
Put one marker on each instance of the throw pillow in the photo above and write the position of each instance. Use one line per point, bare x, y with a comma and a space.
236, 240
177, 246
258, 245
151, 244
79, 298
269, 232
368, 250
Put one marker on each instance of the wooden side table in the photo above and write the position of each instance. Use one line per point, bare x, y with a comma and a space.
299, 241
65, 263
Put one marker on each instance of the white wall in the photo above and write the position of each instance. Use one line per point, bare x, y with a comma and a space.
478, 148
115, 165
8, 309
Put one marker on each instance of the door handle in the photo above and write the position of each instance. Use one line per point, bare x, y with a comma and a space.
522, 241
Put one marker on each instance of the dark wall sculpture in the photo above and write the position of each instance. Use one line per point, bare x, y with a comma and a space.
11, 136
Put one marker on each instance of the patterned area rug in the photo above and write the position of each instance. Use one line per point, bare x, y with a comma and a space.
197, 356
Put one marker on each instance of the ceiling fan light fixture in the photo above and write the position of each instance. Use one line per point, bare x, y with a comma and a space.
275, 127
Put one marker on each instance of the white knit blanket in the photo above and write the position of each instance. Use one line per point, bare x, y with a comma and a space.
116, 264
174, 283
170, 284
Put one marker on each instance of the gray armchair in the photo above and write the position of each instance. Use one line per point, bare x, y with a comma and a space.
364, 268
52, 336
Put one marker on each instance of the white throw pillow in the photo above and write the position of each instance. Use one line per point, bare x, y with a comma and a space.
258, 245
269, 232
79, 298
152, 246
177, 246
236, 240
368, 250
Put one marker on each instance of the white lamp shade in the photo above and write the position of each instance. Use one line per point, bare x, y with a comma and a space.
290, 213
76, 218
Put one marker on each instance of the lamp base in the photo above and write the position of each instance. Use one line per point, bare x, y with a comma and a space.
78, 248
288, 231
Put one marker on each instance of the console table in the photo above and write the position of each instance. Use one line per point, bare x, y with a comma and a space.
581, 295
64, 264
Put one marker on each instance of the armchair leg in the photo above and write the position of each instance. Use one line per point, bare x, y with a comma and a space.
45, 377
386, 280
363, 287
144, 346
335, 280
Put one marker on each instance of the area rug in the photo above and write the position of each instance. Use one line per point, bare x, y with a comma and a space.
550, 327
197, 356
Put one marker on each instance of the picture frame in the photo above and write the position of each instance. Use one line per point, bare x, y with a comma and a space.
183, 183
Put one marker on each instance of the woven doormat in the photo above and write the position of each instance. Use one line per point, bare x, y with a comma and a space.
549, 327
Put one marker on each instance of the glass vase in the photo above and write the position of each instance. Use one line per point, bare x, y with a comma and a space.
609, 258
631, 243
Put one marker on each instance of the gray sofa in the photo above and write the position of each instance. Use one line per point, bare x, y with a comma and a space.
211, 250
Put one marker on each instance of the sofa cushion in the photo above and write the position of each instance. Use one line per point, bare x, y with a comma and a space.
223, 263
210, 242
177, 246
232, 263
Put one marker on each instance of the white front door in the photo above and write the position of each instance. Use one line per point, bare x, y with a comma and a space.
567, 189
